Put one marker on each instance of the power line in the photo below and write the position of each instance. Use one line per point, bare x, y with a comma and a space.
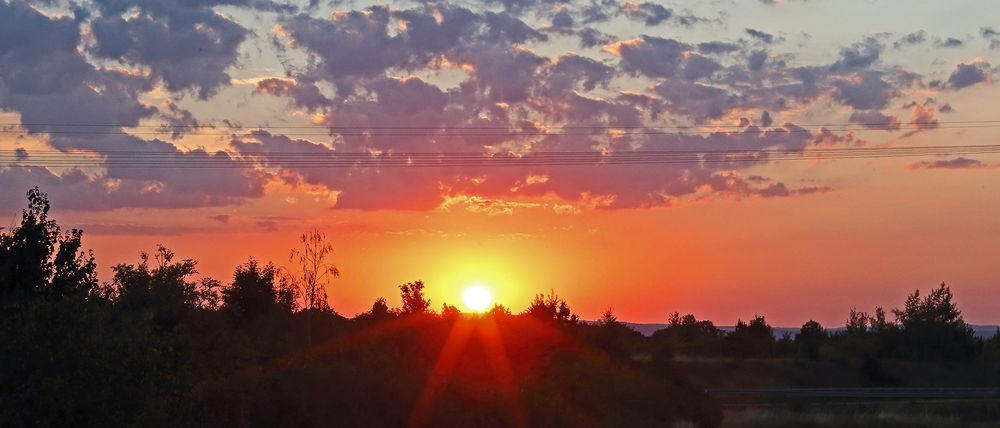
472, 127
377, 131
610, 132
332, 159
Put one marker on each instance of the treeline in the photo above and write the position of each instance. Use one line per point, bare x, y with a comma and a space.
155, 346
926, 328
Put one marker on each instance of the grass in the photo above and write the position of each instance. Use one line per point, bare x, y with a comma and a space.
882, 415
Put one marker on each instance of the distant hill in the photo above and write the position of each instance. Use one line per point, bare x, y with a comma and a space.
647, 329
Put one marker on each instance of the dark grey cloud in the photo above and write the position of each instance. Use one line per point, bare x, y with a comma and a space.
377, 59
652, 56
563, 22
874, 119
304, 94
186, 44
650, 13
47, 80
756, 60
590, 37
716, 47
859, 55
914, 38
949, 42
968, 74
956, 163
765, 37
864, 91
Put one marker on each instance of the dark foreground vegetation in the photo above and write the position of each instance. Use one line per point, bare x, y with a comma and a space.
157, 347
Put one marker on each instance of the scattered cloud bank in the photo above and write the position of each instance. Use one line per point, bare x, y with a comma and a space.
98, 62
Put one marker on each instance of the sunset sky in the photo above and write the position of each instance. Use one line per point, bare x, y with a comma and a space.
258, 79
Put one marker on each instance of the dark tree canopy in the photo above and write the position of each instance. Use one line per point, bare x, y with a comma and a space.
257, 291
37, 260
414, 301
551, 307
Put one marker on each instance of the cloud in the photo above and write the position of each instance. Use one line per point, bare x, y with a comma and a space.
650, 13
75, 190
859, 55
304, 94
716, 47
590, 37
762, 36
866, 90
971, 73
427, 70
956, 163
914, 38
949, 42
874, 119
186, 44
48, 81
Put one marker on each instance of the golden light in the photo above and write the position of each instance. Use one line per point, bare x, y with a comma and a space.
477, 298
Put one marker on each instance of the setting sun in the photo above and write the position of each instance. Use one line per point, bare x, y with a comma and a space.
477, 298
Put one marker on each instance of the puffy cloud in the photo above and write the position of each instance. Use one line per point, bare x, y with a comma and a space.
432, 69
756, 60
590, 37
50, 83
923, 118
76, 190
949, 42
187, 45
971, 73
859, 55
650, 13
865, 90
304, 94
956, 163
651, 56
914, 38
717, 47
762, 36
874, 119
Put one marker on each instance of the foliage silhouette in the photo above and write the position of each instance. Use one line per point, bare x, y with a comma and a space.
551, 307
36, 260
257, 291
157, 346
414, 301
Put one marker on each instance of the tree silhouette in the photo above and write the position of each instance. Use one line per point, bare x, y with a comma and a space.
809, 340
687, 335
256, 291
36, 260
551, 307
933, 326
165, 290
315, 272
498, 310
316, 269
449, 311
753, 339
414, 301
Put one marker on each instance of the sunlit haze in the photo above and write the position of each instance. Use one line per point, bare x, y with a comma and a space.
843, 180
477, 298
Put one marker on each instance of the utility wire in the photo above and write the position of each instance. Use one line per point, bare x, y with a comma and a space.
528, 133
333, 159
471, 127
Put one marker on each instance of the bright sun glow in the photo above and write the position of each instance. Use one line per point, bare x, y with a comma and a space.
477, 298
